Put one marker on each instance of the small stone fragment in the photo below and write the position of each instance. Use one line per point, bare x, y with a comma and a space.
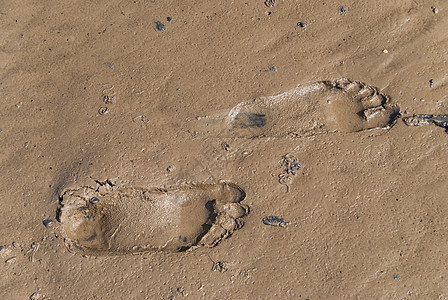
275, 221
291, 164
301, 24
48, 223
94, 200
342, 10
160, 26
225, 146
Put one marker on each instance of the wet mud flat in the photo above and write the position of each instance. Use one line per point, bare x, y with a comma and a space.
223, 150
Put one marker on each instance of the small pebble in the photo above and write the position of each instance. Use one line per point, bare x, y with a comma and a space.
342, 10
225, 146
160, 26
48, 223
94, 200
274, 221
169, 19
301, 24
434, 10
396, 277
431, 83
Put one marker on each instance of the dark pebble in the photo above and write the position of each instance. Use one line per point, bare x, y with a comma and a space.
301, 24
225, 146
48, 222
431, 83
169, 19
342, 10
94, 200
274, 221
160, 26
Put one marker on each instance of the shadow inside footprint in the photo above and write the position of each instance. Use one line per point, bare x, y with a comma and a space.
128, 220
325, 106
249, 120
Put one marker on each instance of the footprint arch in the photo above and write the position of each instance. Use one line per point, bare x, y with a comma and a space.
132, 220
341, 105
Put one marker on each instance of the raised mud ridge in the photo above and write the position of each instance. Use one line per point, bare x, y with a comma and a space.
130, 220
341, 105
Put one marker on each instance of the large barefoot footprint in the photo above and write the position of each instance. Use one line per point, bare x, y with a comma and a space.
326, 106
129, 220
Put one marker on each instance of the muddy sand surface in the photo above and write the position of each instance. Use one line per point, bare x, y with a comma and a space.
223, 150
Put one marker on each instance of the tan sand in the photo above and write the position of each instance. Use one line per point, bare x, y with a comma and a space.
137, 95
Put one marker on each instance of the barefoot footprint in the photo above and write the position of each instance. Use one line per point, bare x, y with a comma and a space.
325, 106
130, 220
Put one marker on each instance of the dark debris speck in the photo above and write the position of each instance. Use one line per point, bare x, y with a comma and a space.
160, 26
342, 10
48, 222
274, 221
301, 24
94, 200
